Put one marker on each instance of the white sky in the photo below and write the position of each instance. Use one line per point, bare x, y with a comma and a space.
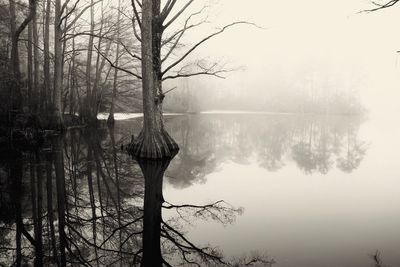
299, 35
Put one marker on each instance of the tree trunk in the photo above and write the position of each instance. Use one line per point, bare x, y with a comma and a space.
36, 99
110, 119
50, 212
72, 87
153, 141
16, 95
30, 67
153, 172
16, 173
46, 56
15, 90
87, 109
58, 58
61, 198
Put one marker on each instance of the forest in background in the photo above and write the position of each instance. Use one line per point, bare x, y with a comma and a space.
94, 66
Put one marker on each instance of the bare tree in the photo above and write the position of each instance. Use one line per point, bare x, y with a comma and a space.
110, 119
16, 95
152, 21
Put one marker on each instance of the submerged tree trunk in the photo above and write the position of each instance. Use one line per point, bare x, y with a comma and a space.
61, 197
153, 141
153, 172
16, 172
50, 212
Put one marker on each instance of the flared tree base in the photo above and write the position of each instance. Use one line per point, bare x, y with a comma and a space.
153, 145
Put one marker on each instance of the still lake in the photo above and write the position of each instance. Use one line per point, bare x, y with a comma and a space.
311, 190
316, 190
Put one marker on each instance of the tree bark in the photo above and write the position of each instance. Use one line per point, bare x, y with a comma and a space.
153, 141
58, 121
30, 67
36, 91
110, 119
15, 93
87, 109
46, 56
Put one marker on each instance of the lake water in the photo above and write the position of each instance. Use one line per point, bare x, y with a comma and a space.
305, 190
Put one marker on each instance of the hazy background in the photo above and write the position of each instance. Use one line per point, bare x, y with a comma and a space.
318, 45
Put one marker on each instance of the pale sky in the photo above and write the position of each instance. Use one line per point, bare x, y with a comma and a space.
299, 35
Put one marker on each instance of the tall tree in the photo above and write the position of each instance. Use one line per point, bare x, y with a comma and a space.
46, 55
16, 94
110, 119
58, 120
154, 141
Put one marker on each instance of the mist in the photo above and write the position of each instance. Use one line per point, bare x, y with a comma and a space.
298, 47
199, 133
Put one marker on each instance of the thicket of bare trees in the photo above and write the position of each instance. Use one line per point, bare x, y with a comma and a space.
75, 57
53, 58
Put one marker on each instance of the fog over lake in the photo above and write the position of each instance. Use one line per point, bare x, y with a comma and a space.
199, 133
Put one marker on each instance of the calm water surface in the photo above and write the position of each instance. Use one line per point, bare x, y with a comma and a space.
306, 190
316, 191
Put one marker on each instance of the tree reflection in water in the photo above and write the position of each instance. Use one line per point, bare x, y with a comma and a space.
316, 144
78, 199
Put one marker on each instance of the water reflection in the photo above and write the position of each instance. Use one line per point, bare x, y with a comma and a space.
316, 144
79, 200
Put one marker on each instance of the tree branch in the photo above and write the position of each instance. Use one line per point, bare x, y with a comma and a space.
129, 52
178, 14
203, 41
64, 6
68, 27
167, 9
32, 11
381, 6
116, 67
135, 11
185, 27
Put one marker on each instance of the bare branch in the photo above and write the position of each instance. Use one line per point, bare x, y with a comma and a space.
116, 67
69, 12
169, 90
203, 252
32, 11
379, 6
65, 5
129, 52
185, 27
68, 27
135, 31
178, 14
203, 41
167, 9
136, 13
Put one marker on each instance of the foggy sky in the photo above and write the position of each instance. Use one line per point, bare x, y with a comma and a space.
329, 38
